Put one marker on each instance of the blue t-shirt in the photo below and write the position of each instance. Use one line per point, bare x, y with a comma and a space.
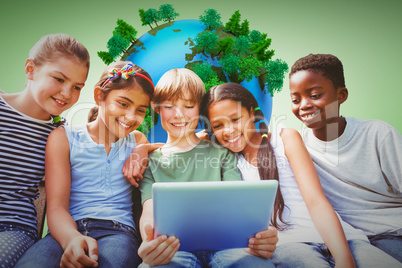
98, 188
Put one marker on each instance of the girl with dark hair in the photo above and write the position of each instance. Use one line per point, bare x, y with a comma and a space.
302, 214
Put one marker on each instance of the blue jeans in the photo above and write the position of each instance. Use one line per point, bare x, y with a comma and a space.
14, 241
317, 255
391, 244
117, 243
216, 259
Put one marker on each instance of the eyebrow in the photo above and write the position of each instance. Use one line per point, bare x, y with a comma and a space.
308, 90
129, 100
67, 78
224, 116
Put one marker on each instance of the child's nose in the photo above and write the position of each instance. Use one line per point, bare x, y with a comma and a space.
179, 112
66, 91
227, 130
305, 104
130, 114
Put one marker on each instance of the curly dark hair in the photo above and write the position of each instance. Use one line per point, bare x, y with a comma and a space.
326, 64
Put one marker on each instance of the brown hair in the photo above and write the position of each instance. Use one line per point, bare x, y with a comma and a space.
174, 83
121, 83
52, 46
267, 167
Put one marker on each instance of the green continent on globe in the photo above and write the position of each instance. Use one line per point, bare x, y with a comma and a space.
217, 56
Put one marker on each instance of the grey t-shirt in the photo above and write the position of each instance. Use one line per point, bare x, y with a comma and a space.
361, 174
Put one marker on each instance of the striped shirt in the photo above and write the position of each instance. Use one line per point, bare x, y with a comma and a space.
22, 164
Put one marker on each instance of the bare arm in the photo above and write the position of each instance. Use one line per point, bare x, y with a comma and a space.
158, 251
136, 163
61, 224
321, 211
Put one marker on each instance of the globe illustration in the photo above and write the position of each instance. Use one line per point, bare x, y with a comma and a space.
168, 47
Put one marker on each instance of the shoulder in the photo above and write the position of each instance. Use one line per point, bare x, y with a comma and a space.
372, 128
290, 135
140, 138
372, 123
58, 135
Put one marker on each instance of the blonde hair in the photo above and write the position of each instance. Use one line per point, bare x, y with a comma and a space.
175, 83
53, 46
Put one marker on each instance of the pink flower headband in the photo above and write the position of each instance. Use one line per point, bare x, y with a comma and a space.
125, 73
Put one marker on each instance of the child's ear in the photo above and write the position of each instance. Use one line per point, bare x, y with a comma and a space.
29, 68
155, 107
342, 94
98, 95
252, 113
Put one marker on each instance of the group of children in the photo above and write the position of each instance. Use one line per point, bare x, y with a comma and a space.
340, 180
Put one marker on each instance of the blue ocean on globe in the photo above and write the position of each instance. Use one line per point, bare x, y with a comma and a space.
166, 49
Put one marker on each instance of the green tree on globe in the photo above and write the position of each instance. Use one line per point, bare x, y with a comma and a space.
217, 53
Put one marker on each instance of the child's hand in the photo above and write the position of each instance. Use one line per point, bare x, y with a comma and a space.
347, 263
135, 165
82, 251
264, 243
158, 251
203, 135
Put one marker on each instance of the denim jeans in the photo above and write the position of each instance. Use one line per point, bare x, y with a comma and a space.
317, 255
14, 241
391, 244
117, 243
216, 259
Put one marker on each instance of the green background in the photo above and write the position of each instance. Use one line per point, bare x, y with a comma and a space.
366, 36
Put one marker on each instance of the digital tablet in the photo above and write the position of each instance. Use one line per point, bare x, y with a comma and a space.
213, 215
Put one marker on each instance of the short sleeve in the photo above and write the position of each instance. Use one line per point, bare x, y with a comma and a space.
391, 159
230, 171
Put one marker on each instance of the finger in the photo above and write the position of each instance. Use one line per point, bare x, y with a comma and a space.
67, 262
93, 249
270, 232
132, 180
266, 241
149, 232
82, 260
142, 170
149, 251
259, 253
138, 176
265, 247
169, 254
164, 250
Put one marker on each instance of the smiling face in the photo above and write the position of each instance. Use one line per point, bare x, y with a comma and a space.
232, 124
315, 100
122, 111
179, 118
55, 86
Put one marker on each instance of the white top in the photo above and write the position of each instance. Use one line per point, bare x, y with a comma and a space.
361, 174
301, 228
